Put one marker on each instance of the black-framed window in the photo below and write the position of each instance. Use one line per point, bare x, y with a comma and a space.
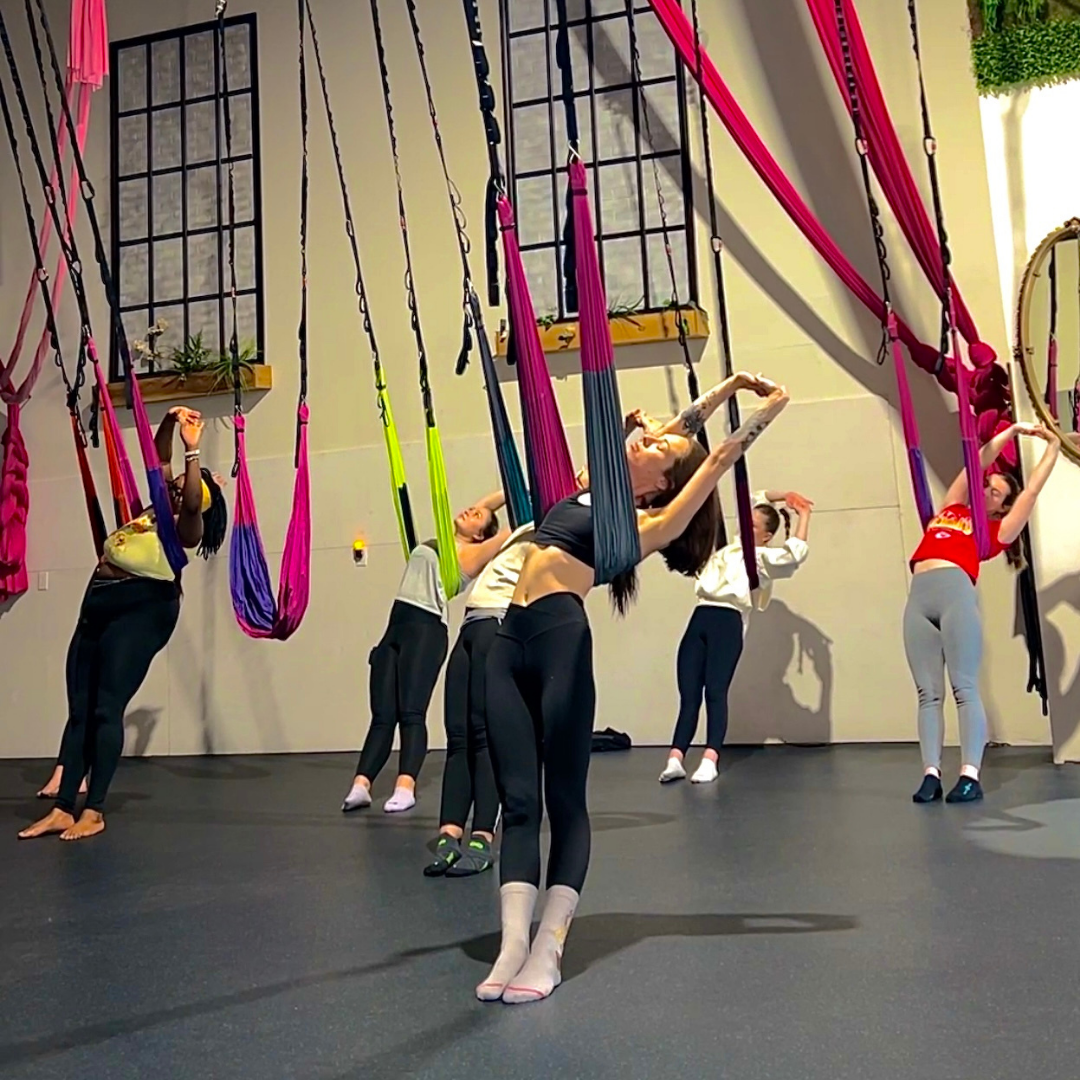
614, 144
170, 192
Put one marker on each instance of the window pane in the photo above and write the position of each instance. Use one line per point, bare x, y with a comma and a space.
165, 71
240, 114
203, 264
532, 138
623, 273
245, 258
577, 38
526, 14
615, 124
611, 53
133, 210
199, 65
543, 281
535, 209
201, 133
657, 52
562, 143
619, 207
663, 103
168, 209
131, 72
131, 133
659, 273
243, 191
528, 67
173, 337
670, 171
204, 319
202, 198
247, 322
166, 139
135, 326
238, 53
168, 271
134, 276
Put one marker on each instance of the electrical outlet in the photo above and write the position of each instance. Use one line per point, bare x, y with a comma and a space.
359, 553
43, 581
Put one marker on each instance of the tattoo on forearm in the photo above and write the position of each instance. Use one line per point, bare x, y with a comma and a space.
753, 428
693, 418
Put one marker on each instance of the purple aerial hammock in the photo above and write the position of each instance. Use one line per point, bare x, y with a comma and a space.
257, 612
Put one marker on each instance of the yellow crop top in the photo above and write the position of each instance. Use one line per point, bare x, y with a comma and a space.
136, 549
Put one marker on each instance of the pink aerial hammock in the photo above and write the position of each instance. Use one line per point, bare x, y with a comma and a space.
87, 65
551, 473
257, 612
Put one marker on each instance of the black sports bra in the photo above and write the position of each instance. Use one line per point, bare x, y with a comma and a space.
568, 526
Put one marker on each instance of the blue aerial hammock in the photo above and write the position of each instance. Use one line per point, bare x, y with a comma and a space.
258, 614
513, 479
445, 533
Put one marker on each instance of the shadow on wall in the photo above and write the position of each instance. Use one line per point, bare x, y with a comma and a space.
833, 192
143, 722
1064, 688
763, 701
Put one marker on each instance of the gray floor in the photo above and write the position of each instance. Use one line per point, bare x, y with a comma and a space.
799, 919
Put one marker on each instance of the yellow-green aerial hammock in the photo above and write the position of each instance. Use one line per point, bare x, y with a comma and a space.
406, 528
440, 500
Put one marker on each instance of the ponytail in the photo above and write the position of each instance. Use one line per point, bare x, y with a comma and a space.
773, 517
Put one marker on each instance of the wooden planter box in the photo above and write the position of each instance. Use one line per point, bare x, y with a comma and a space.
200, 384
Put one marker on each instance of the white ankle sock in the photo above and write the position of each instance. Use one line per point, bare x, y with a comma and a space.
359, 796
518, 901
970, 771
541, 973
706, 772
673, 770
403, 799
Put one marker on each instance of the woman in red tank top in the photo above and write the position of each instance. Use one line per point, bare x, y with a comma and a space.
942, 625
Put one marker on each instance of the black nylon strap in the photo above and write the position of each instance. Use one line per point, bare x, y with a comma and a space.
566, 92
410, 288
493, 136
864, 168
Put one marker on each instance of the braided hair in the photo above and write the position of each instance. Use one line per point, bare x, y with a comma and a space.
215, 519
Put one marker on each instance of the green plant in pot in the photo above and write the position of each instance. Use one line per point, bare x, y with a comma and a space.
221, 368
190, 358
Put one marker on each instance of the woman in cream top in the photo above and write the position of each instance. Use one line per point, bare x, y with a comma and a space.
128, 615
710, 649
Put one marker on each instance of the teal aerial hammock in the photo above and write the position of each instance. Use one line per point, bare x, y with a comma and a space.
402, 505
513, 480
445, 535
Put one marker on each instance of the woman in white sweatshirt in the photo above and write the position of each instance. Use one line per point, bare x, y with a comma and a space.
710, 649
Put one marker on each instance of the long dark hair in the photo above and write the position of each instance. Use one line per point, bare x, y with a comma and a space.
215, 520
686, 554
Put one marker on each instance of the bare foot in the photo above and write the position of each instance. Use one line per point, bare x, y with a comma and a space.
57, 821
52, 788
89, 824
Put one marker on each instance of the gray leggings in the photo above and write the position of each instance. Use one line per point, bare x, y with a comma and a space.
942, 627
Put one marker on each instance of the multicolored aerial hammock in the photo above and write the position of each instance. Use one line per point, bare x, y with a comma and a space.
399, 487
513, 480
91, 34
445, 535
257, 612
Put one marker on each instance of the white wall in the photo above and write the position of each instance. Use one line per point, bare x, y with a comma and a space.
824, 663
1032, 165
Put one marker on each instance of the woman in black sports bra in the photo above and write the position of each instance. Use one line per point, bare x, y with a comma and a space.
541, 694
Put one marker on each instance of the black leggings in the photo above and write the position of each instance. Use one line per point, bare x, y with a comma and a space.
541, 706
123, 625
708, 656
468, 774
405, 666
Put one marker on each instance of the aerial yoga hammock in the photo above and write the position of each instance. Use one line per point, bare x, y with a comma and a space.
120, 467
513, 480
400, 490
87, 65
1051, 395
449, 570
257, 613
547, 455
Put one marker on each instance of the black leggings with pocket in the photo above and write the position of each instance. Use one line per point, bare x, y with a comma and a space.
123, 624
468, 777
541, 705
708, 656
405, 667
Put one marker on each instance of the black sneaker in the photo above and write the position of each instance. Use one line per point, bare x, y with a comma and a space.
966, 790
476, 857
929, 790
447, 852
